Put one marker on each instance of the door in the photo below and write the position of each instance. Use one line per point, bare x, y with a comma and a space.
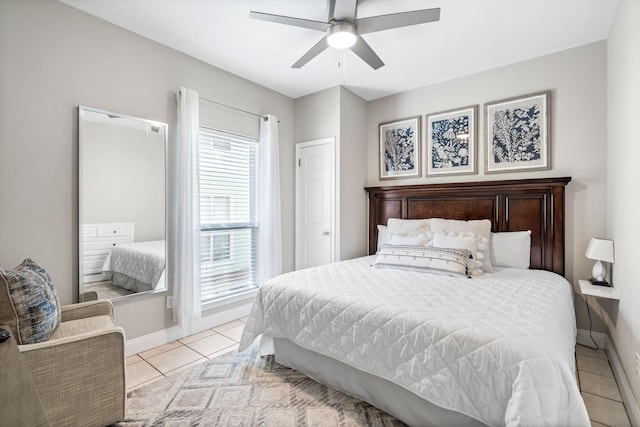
315, 203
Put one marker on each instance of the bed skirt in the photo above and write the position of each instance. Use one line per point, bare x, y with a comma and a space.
385, 395
130, 283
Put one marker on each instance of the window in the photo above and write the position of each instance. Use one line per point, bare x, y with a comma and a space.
214, 209
228, 214
215, 247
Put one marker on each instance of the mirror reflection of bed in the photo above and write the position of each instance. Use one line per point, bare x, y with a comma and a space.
116, 265
122, 185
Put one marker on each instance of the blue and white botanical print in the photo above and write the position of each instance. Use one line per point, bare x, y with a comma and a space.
450, 142
516, 135
399, 149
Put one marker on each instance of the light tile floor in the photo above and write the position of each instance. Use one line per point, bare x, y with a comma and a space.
158, 362
600, 389
597, 382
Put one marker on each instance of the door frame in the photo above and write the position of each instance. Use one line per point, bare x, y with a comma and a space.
335, 198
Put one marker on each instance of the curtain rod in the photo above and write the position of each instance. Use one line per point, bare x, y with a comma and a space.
264, 117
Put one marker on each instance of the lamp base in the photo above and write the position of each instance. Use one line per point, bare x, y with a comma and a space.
598, 272
599, 282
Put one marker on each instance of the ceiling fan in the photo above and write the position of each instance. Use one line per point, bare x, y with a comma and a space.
344, 30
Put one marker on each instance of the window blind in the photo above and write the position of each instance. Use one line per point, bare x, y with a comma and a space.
228, 214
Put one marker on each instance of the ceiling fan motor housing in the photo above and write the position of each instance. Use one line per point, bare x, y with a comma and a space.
341, 35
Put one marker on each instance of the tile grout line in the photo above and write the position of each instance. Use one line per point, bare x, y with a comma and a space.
603, 397
603, 376
190, 348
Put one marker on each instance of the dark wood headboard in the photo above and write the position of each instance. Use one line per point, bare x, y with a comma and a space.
512, 205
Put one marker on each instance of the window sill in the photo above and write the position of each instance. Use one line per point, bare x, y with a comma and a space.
231, 299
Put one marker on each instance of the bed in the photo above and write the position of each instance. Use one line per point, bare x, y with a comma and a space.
496, 349
138, 266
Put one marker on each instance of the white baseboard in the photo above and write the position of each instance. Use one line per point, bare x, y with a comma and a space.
623, 385
165, 336
629, 399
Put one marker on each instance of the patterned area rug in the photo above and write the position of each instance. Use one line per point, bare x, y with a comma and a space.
243, 389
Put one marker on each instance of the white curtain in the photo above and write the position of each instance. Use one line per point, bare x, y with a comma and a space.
270, 227
186, 274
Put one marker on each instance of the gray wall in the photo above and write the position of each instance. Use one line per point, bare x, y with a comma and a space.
338, 112
317, 117
353, 175
623, 203
123, 178
54, 58
577, 79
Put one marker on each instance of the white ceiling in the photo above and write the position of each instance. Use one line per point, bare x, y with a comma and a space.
471, 36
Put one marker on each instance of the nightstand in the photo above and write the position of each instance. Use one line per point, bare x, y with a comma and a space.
587, 288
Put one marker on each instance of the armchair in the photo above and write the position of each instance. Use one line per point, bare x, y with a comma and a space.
79, 372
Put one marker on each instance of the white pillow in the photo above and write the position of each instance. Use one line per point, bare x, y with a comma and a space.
479, 229
450, 262
461, 242
511, 249
421, 239
383, 236
408, 227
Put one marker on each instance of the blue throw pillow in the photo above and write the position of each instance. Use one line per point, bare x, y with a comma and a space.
33, 301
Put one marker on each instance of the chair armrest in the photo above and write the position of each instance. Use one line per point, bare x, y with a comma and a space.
60, 343
101, 307
87, 369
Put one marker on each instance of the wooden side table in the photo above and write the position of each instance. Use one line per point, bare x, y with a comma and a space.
19, 402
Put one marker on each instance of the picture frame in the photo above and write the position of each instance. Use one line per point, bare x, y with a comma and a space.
400, 148
451, 147
518, 133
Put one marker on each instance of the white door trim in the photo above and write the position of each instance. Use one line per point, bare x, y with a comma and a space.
335, 197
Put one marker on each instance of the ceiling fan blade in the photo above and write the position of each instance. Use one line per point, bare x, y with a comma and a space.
396, 20
312, 53
364, 51
345, 10
289, 20
331, 7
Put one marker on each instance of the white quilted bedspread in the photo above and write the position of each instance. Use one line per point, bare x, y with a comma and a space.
498, 348
144, 261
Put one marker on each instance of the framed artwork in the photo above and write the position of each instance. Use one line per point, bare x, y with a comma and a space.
400, 149
518, 133
451, 142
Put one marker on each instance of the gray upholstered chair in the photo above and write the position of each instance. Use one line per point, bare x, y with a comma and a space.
74, 353
79, 372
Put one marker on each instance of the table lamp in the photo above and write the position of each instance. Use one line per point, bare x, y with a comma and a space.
600, 250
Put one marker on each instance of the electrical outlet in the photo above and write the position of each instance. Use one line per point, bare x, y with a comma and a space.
169, 302
637, 365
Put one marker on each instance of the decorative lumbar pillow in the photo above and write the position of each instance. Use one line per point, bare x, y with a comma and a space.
461, 242
29, 302
511, 249
478, 229
450, 262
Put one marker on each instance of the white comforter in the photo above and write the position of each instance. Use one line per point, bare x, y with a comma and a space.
143, 261
498, 348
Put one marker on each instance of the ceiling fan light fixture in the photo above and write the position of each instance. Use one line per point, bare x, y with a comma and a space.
341, 36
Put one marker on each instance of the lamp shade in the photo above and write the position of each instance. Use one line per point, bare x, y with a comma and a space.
600, 249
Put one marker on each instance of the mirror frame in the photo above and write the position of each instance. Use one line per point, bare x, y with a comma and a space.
81, 112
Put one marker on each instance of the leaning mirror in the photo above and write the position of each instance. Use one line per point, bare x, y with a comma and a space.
122, 186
